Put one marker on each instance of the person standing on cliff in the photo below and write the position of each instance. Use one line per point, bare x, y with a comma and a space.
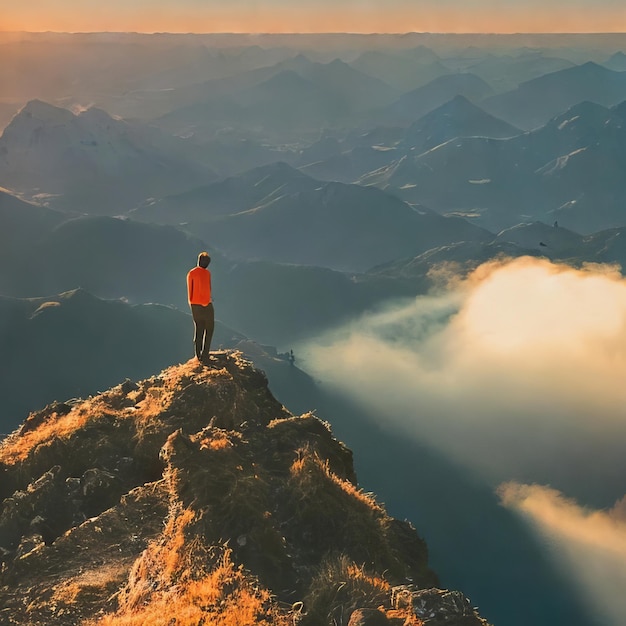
201, 303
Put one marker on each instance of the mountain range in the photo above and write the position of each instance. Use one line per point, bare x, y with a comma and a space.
400, 69
359, 154
536, 101
574, 158
530, 239
422, 100
323, 227
121, 258
505, 72
90, 161
275, 213
293, 94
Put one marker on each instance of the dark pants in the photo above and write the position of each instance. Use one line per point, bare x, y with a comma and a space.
204, 323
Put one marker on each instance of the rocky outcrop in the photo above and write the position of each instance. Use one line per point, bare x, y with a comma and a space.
195, 495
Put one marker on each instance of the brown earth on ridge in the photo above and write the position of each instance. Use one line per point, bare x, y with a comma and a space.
194, 497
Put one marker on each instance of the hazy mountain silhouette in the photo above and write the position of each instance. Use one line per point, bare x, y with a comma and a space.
506, 72
128, 74
355, 156
224, 197
23, 221
120, 258
356, 89
529, 239
345, 227
90, 161
24, 225
413, 105
534, 102
398, 70
7, 111
349, 165
461, 257
576, 155
456, 118
74, 344
239, 152
281, 103
113, 258
617, 62
293, 94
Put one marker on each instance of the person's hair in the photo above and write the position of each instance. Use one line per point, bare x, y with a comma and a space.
204, 259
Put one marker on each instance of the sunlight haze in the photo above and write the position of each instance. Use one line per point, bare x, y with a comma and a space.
278, 16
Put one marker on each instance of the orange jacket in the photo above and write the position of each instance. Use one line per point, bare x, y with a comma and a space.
199, 286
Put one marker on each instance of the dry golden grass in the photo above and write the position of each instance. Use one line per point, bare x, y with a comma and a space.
308, 471
179, 581
339, 588
16, 448
218, 440
100, 581
407, 615
148, 402
224, 597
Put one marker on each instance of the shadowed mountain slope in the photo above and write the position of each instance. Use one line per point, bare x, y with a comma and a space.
617, 62
91, 161
506, 72
120, 258
22, 226
361, 153
400, 71
74, 344
456, 118
224, 197
575, 161
194, 494
343, 227
413, 105
538, 100
530, 239
293, 95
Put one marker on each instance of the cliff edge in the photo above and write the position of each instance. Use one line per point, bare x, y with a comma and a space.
194, 497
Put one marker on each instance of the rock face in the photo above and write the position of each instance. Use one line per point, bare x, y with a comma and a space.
192, 497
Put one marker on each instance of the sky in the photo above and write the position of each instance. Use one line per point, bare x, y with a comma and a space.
395, 16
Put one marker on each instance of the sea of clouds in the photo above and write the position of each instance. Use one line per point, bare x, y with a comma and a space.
518, 372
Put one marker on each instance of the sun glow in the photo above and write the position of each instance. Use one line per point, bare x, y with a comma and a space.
397, 16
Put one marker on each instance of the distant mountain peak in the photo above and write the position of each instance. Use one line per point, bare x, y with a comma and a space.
279, 167
45, 112
97, 115
620, 109
591, 114
287, 79
592, 66
297, 63
337, 63
458, 117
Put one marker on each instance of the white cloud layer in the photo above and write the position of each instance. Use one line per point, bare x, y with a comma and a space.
519, 372
590, 545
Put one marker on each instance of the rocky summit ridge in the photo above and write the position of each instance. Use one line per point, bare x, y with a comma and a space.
194, 497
